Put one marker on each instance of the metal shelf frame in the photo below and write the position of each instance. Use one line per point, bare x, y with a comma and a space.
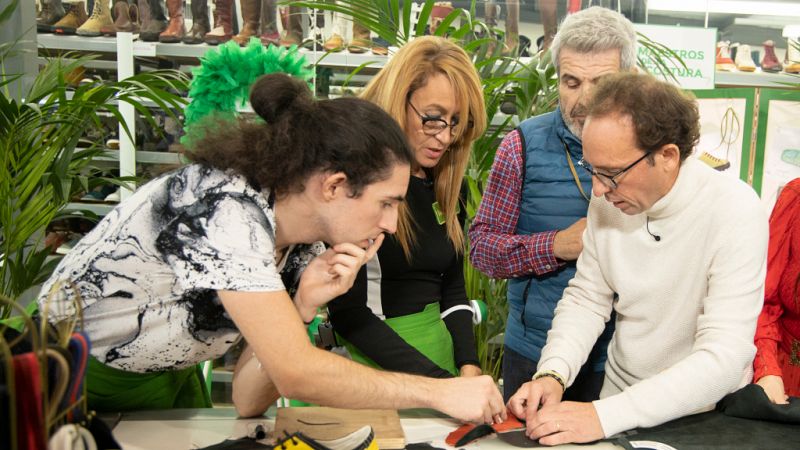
180, 50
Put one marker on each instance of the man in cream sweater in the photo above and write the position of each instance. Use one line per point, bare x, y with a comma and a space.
677, 249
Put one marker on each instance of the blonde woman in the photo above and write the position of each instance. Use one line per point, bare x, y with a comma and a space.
408, 310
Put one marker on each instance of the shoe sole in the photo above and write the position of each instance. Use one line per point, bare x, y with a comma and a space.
149, 37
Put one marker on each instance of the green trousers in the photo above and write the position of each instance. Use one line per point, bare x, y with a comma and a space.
113, 390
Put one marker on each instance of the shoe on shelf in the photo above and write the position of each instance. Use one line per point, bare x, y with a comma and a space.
75, 17
52, 11
270, 38
724, 62
509, 105
744, 59
200, 24
791, 156
359, 45
792, 61
123, 21
75, 77
715, 163
223, 23
335, 43
289, 39
113, 197
98, 194
380, 46
153, 20
314, 45
176, 29
361, 439
251, 16
770, 63
509, 49
439, 12
733, 49
136, 20
101, 17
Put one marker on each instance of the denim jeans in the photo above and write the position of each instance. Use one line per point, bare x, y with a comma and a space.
518, 370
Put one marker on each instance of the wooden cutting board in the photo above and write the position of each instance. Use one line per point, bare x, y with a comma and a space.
332, 423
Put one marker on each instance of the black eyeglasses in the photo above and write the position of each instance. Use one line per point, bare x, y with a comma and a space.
435, 125
610, 181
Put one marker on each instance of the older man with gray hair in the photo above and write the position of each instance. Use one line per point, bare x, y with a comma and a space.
533, 214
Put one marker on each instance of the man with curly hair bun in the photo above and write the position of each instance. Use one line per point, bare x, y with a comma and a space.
676, 249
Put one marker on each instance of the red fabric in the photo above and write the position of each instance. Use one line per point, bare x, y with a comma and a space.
790, 373
28, 390
779, 322
574, 6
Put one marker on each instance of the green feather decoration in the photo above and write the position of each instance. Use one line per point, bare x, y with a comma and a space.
221, 83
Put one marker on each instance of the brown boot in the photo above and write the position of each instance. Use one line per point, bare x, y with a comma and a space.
293, 33
101, 17
770, 61
136, 20
361, 42
75, 17
52, 12
200, 25
153, 20
512, 29
122, 19
251, 15
223, 23
490, 13
175, 29
269, 24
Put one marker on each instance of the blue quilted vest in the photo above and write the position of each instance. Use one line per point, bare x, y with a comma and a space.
550, 200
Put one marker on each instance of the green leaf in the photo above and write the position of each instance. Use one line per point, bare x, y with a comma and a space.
40, 167
6, 13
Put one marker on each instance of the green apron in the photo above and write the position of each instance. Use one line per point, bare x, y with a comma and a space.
111, 389
425, 331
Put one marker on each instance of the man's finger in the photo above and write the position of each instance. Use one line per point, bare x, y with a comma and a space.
373, 249
353, 262
517, 405
348, 249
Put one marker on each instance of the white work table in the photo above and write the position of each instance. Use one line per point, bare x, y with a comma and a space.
197, 428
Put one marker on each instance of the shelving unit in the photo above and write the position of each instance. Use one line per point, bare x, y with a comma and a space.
180, 50
755, 79
101, 209
125, 49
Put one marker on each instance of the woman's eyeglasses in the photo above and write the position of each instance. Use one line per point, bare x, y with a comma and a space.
434, 125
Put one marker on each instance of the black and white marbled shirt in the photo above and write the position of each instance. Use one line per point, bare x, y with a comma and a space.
149, 272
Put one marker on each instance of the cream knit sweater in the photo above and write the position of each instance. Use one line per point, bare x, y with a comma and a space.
687, 306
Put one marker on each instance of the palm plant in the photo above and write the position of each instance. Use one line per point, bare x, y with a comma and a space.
42, 168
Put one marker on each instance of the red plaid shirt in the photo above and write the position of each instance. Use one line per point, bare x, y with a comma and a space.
495, 249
